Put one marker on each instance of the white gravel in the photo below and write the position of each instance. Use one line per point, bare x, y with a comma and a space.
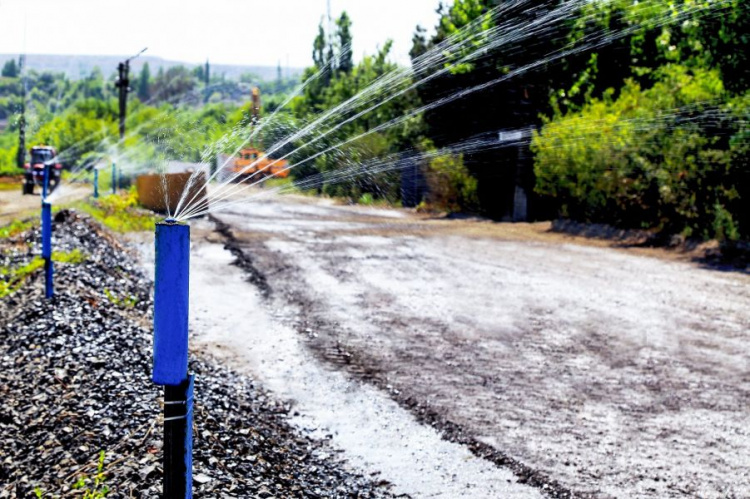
615, 374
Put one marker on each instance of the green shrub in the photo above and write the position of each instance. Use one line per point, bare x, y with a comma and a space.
14, 228
75, 256
645, 159
724, 227
93, 487
13, 278
120, 212
451, 186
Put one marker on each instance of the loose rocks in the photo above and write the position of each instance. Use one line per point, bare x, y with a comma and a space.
75, 380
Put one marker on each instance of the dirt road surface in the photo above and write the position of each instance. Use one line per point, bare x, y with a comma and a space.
14, 205
583, 370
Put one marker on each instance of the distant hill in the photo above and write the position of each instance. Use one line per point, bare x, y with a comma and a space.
77, 66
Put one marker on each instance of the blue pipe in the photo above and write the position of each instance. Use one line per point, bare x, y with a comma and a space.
114, 178
96, 183
171, 303
47, 248
170, 368
47, 236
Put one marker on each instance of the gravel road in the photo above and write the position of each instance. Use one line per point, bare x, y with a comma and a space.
588, 371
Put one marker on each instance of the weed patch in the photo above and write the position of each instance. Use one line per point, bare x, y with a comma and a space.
14, 228
120, 212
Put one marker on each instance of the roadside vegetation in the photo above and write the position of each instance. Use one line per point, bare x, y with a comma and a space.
14, 274
647, 131
120, 212
14, 228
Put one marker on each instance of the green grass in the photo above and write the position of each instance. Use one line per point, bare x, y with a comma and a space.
11, 279
10, 170
125, 302
93, 487
73, 257
14, 228
285, 184
368, 199
10, 186
119, 212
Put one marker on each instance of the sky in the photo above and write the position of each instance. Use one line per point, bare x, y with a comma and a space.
244, 32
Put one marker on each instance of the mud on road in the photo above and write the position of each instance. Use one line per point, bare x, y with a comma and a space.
588, 371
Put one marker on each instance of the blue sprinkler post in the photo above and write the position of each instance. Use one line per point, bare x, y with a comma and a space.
171, 355
114, 178
47, 236
96, 183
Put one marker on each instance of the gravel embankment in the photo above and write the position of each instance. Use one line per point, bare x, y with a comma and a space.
74, 380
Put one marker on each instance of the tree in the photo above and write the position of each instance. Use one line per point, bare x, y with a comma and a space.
633, 162
174, 84
344, 34
207, 74
10, 69
198, 73
418, 43
279, 79
319, 48
144, 81
727, 38
513, 104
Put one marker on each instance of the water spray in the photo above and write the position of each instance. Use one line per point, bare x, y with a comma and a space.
171, 354
47, 235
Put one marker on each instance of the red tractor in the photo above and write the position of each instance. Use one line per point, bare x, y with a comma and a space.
41, 158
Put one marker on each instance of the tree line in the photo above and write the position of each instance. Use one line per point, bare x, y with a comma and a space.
628, 113
177, 113
647, 129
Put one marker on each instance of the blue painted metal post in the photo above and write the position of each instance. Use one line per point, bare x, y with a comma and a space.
47, 236
96, 183
171, 354
47, 248
114, 178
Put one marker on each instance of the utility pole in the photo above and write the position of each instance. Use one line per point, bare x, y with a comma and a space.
255, 109
123, 85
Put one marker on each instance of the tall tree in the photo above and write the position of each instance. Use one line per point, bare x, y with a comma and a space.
319, 48
10, 69
144, 81
344, 34
279, 79
503, 105
207, 73
198, 73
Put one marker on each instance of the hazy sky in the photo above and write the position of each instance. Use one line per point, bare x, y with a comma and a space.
246, 32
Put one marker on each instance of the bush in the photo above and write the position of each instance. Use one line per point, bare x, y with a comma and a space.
450, 185
646, 160
120, 212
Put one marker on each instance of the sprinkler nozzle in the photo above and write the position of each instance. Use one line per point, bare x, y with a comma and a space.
170, 220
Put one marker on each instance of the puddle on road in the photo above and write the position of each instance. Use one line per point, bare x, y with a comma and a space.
377, 436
